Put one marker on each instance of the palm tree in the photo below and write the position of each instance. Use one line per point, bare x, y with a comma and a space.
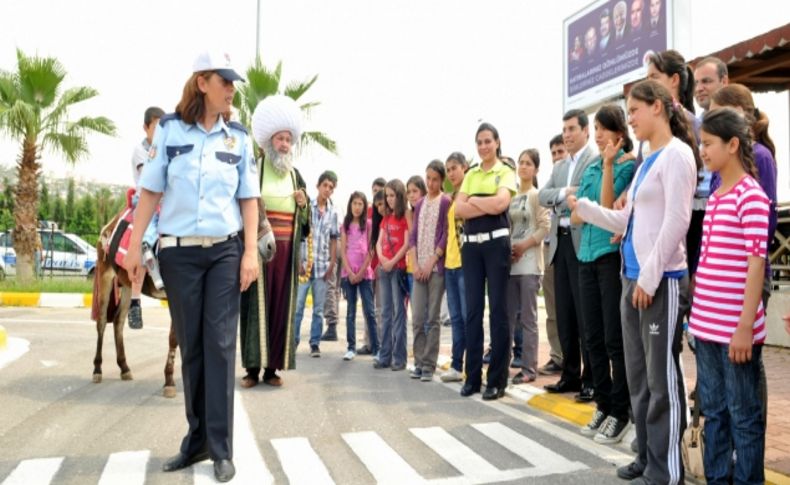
263, 82
34, 110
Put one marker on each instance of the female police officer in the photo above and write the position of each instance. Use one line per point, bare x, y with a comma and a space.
201, 166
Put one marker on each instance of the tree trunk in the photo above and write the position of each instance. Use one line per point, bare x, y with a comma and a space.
26, 211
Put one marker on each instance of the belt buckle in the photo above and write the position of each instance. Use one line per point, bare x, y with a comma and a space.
206, 242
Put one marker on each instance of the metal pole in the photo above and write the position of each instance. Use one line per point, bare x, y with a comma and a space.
258, 31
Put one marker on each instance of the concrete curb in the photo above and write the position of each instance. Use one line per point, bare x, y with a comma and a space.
581, 414
62, 300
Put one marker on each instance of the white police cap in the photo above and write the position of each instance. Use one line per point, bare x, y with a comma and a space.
218, 62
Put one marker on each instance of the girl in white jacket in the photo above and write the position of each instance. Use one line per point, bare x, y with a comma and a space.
654, 222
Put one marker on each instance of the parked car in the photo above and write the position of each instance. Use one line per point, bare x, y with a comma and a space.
63, 254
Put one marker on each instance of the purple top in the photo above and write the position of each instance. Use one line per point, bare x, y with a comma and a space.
441, 229
766, 176
357, 249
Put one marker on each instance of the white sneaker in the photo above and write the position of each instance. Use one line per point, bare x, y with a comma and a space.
451, 375
350, 355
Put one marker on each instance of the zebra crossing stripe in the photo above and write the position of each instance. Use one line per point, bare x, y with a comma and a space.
532, 452
34, 472
125, 468
250, 467
300, 462
384, 463
471, 465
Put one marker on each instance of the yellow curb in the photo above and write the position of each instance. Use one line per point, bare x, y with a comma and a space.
3, 338
19, 299
163, 303
87, 300
563, 407
776, 478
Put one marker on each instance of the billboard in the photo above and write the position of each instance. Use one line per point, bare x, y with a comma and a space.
605, 46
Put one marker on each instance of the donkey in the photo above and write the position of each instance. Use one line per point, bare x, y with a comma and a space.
112, 289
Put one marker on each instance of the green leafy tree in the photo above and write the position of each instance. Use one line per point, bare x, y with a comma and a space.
70, 210
59, 211
34, 110
44, 207
263, 82
7, 206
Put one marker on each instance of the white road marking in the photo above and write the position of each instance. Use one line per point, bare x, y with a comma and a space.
49, 363
250, 467
125, 468
16, 348
471, 465
34, 472
300, 462
384, 463
529, 450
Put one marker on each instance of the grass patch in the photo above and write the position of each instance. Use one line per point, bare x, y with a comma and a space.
49, 285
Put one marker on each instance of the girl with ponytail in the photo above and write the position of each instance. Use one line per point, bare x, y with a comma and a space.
655, 220
738, 97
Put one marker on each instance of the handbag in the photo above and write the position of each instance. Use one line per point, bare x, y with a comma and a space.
693, 445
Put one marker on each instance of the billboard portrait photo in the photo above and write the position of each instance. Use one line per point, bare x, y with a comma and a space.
605, 45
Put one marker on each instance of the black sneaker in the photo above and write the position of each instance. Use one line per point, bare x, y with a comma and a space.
630, 471
516, 363
330, 335
591, 428
364, 350
612, 431
135, 316
315, 351
416, 373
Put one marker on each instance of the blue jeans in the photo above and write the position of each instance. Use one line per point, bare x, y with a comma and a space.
319, 287
393, 316
456, 305
730, 398
365, 289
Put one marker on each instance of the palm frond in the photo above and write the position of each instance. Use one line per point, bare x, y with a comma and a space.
307, 108
296, 89
19, 120
39, 79
70, 145
67, 99
9, 89
317, 138
98, 124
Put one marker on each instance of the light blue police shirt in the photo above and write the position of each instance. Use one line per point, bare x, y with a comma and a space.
202, 176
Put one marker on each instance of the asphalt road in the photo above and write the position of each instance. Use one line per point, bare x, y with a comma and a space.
333, 421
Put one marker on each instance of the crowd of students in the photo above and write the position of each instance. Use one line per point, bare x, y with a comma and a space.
638, 237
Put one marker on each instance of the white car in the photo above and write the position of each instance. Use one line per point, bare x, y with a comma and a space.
63, 254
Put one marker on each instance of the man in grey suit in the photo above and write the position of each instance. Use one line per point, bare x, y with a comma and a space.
564, 244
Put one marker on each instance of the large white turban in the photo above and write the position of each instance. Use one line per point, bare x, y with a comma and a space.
275, 114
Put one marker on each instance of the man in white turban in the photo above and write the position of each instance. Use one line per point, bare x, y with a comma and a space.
267, 307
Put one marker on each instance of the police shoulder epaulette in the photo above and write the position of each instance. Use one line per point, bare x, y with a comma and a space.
238, 126
170, 116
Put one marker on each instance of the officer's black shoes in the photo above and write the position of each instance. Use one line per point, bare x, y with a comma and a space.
468, 389
224, 471
631, 471
135, 316
492, 393
182, 461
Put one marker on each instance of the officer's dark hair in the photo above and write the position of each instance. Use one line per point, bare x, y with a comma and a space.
612, 118
557, 140
151, 114
379, 182
438, 167
579, 115
489, 127
350, 217
192, 106
671, 62
328, 175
